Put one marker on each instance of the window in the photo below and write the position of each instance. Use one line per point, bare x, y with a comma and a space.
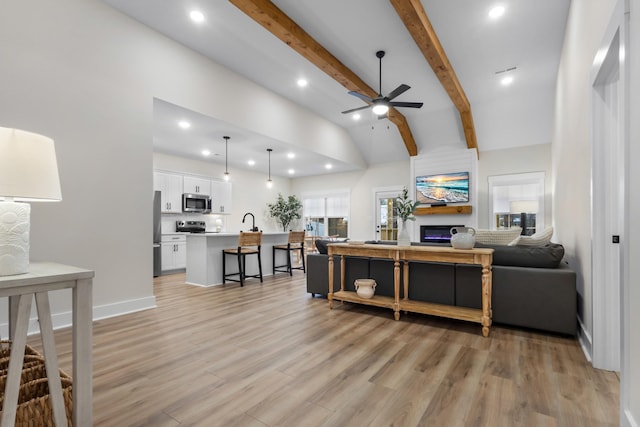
326, 214
517, 201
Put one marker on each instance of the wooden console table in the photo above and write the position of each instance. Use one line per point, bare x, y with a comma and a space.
42, 278
404, 254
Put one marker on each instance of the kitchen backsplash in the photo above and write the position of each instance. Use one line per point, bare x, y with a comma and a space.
168, 221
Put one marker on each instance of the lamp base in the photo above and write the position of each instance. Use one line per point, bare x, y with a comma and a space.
14, 238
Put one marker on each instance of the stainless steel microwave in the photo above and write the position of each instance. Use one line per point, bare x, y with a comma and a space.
196, 203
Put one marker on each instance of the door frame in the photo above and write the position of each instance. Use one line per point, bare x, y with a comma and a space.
609, 183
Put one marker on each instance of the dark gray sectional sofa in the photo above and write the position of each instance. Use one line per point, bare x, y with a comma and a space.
532, 286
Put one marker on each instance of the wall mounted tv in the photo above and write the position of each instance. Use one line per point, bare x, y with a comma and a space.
443, 188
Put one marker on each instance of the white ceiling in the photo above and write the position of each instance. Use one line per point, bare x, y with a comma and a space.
529, 36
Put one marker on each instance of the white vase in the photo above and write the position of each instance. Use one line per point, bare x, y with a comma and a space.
365, 288
463, 237
403, 235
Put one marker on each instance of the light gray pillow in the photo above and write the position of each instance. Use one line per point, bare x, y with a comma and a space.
541, 238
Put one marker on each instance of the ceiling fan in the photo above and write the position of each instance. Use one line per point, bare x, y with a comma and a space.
381, 103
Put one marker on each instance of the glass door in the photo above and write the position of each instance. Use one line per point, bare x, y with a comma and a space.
387, 215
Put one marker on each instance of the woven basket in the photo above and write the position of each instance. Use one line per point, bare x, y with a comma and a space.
30, 373
34, 403
29, 361
5, 350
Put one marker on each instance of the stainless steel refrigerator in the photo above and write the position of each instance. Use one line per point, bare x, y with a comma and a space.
157, 232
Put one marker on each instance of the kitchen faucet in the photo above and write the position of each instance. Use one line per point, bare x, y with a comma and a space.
253, 221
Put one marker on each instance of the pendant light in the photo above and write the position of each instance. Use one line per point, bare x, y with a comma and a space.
226, 158
269, 181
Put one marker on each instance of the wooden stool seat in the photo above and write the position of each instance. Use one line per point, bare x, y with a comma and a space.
295, 244
249, 243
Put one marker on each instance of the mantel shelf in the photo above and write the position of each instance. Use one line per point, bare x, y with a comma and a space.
443, 210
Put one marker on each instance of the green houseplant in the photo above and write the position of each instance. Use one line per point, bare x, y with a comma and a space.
405, 207
285, 210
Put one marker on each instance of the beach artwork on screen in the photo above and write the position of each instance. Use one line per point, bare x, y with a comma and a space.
443, 188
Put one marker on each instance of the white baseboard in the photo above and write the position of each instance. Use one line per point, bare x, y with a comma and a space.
585, 340
203, 286
628, 420
63, 320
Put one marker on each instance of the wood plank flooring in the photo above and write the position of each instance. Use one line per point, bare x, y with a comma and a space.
271, 355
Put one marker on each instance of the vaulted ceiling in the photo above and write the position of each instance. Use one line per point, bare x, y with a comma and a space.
464, 103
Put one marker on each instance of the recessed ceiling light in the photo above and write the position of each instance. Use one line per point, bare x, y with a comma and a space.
196, 16
251, 162
291, 171
184, 124
496, 12
302, 82
506, 81
206, 152
328, 166
356, 116
290, 155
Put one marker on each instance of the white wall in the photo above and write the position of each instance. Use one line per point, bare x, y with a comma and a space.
532, 158
361, 185
571, 165
571, 160
249, 194
86, 75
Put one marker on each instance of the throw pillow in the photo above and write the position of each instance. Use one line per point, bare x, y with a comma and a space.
498, 237
541, 238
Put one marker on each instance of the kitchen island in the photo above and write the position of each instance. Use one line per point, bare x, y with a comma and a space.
204, 256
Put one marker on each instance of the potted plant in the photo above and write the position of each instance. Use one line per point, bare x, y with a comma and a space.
405, 207
285, 210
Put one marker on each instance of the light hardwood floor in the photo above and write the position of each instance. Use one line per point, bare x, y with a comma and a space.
270, 355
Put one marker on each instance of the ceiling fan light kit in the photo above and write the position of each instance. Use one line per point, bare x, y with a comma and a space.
381, 104
380, 108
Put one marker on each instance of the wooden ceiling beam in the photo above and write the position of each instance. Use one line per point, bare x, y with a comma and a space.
415, 19
280, 25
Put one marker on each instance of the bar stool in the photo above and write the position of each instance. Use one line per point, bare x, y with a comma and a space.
249, 243
295, 244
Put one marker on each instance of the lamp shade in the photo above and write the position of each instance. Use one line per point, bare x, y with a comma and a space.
28, 167
28, 172
527, 206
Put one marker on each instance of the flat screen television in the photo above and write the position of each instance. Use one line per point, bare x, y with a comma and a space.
443, 188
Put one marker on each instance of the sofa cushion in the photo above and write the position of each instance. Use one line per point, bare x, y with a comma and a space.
541, 238
548, 256
497, 237
321, 245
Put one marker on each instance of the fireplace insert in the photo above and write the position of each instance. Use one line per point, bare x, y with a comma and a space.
436, 233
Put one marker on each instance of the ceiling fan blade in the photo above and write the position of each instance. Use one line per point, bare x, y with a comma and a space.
356, 109
361, 96
406, 104
398, 91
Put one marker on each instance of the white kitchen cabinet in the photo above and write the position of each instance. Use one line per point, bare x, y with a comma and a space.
170, 185
195, 185
174, 252
221, 197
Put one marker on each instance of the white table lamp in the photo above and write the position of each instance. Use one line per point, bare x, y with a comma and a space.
28, 172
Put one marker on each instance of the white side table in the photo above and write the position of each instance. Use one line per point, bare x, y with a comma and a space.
42, 278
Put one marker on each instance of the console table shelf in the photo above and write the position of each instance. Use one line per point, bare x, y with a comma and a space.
377, 300
441, 310
443, 210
